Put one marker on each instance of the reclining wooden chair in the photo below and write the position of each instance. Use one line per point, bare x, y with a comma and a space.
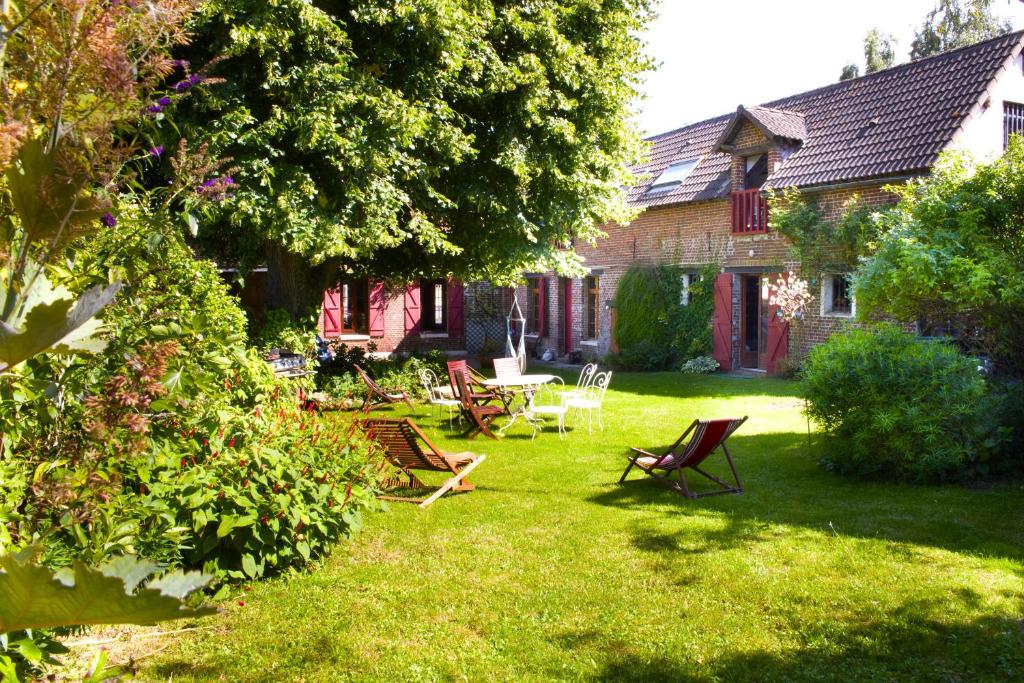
708, 435
479, 416
406, 447
480, 394
378, 396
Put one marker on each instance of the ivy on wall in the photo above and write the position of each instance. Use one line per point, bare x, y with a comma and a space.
654, 328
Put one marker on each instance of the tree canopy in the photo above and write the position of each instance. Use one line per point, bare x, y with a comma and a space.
879, 53
951, 255
416, 138
957, 23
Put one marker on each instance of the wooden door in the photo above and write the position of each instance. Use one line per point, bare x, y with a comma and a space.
721, 324
778, 338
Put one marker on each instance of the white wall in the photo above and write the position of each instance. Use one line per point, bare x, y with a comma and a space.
982, 137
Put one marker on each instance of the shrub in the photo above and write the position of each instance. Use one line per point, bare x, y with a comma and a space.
895, 406
280, 331
701, 365
654, 329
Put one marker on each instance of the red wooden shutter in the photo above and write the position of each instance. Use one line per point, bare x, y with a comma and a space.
330, 314
412, 308
542, 306
567, 314
778, 338
455, 317
721, 343
376, 309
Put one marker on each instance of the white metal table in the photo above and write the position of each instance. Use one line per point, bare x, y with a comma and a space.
523, 384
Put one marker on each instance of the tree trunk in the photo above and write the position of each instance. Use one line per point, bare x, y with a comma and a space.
294, 285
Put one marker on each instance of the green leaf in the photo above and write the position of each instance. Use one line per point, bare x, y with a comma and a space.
303, 549
32, 597
249, 566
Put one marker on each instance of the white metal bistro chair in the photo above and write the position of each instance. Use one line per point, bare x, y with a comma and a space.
437, 395
586, 377
592, 399
549, 401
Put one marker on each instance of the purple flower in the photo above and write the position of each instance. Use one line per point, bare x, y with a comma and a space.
182, 86
154, 109
180, 63
195, 79
228, 180
164, 101
108, 220
156, 151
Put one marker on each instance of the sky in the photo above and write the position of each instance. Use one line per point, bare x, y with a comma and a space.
714, 56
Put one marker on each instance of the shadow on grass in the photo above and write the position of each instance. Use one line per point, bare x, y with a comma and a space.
784, 486
718, 385
912, 643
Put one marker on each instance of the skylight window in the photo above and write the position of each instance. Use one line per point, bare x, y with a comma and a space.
672, 177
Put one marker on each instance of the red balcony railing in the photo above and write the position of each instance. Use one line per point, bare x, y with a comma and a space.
749, 212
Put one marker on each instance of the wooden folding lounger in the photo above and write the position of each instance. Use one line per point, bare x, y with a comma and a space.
377, 395
406, 447
708, 436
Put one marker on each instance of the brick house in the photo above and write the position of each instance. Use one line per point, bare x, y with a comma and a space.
702, 197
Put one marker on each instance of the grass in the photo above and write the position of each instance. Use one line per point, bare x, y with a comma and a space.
551, 571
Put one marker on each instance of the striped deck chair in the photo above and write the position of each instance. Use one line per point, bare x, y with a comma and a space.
377, 395
707, 437
406, 447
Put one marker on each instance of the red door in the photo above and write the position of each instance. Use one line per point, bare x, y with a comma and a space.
721, 345
778, 338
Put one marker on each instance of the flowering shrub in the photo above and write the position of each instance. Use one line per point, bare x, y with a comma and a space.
792, 295
701, 365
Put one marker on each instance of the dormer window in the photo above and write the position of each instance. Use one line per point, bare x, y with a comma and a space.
672, 177
757, 171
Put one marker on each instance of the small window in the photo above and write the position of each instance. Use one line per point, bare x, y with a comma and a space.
434, 306
592, 286
686, 281
1013, 121
534, 305
837, 295
354, 302
672, 177
756, 171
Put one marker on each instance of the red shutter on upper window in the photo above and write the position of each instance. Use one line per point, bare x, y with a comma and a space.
567, 315
455, 314
330, 313
412, 308
722, 321
377, 309
542, 308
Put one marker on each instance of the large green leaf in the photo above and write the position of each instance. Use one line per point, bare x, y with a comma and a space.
51, 319
33, 596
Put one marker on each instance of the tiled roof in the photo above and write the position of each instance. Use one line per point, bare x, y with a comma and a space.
890, 123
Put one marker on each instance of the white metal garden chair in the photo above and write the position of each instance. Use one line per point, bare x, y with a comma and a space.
438, 396
549, 401
592, 399
586, 377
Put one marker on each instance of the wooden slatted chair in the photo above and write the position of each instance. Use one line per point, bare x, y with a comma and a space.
406, 447
479, 416
708, 436
377, 396
479, 393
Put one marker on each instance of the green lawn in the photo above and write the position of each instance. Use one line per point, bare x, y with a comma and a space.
550, 570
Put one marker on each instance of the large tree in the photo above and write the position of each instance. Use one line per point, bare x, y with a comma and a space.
425, 137
957, 23
879, 53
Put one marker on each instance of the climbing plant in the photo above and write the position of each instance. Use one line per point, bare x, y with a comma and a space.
656, 327
820, 244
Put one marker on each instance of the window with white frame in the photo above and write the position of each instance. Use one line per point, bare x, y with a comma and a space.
434, 306
837, 295
686, 280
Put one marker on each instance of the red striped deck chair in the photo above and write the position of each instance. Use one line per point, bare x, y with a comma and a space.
707, 437
406, 447
376, 395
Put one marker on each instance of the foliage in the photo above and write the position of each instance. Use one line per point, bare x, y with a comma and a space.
819, 244
879, 53
379, 137
957, 23
894, 406
338, 378
951, 254
654, 328
701, 365
281, 331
